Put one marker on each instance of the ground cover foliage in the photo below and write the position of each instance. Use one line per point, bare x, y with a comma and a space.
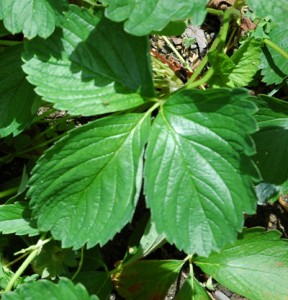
93, 123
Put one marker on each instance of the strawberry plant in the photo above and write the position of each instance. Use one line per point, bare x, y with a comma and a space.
93, 123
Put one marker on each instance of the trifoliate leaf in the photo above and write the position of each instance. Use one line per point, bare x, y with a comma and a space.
198, 174
18, 102
32, 17
16, 218
255, 266
47, 290
138, 280
274, 67
272, 139
237, 70
142, 17
90, 66
276, 10
85, 188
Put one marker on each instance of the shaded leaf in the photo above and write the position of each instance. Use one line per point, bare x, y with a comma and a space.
198, 177
86, 71
192, 290
272, 139
18, 102
77, 187
54, 261
142, 17
32, 17
16, 218
255, 266
150, 241
47, 290
274, 67
138, 280
98, 283
237, 70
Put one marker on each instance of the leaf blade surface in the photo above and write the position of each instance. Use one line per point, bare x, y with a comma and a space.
198, 179
85, 188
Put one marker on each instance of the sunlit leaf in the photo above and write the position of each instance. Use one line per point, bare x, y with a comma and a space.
198, 174
255, 266
85, 188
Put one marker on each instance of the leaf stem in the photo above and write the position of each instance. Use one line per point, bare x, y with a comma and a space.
276, 47
9, 43
204, 79
185, 64
215, 11
80, 264
27, 261
8, 192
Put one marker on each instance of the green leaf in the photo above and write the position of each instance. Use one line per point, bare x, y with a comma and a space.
3, 30
239, 69
150, 241
198, 174
137, 280
276, 10
16, 218
47, 290
32, 17
87, 71
172, 28
274, 67
54, 261
85, 188
272, 139
192, 289
18, 102
98, 283
255, 266
142, 17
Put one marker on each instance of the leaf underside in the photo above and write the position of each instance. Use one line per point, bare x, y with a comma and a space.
83, 69
255, 266
85, 188
198, 176
143, 17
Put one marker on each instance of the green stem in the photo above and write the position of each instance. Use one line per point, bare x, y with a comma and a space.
177, 53
214, 11
204, 79
80, 264
9, 43
275, 47
26, 263
204, 61
8, 192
